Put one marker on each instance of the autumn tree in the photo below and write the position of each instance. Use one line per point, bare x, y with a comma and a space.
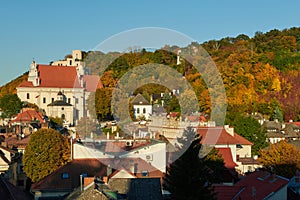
102, 104
282, 157
10, 105
46, 151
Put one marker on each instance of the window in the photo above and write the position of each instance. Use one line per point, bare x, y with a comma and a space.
145, 173
52, 99
76, 100
28, 96
65, 175
62, 108
63, 116
69, 100
144, 110
138, 110
70, 62
44, 100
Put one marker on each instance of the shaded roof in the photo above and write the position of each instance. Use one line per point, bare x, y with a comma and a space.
227, 157
92, 83
218, 135
261, 183
9, 191
140, 100
29, 115
227, 192
56, 77
16, 142
55, 181
145, 188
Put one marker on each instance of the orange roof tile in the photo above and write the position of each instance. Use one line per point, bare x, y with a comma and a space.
28, 116
218, 135
56, 77
227, 157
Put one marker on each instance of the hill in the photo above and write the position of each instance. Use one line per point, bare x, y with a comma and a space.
260, 74
10, 88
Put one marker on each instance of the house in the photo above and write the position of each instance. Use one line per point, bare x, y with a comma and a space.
256, 185
226, 140
142, 107
68, 77
152, 151
6, 156
64, 180
27, 121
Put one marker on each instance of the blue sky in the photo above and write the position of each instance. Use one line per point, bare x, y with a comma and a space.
48, 30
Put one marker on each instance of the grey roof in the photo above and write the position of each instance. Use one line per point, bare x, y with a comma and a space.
140, 100
59, 103
145, 188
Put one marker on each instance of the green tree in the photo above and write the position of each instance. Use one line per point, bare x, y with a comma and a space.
10, 105
188, 176
46, 151
277, 114
282, 157
249, 128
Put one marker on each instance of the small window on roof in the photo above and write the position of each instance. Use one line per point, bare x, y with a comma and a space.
65, 175
145, 173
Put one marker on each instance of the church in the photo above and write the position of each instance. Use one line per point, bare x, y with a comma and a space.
61, 89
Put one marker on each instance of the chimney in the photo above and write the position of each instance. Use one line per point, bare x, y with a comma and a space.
229, 130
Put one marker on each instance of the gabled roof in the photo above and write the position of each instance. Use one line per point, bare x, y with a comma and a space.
29, 115
219, 136
260, 183
56, 77
227, 157
263, 183
56, 182
92, 83
140, 100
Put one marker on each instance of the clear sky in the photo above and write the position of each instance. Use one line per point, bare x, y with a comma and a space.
48, 30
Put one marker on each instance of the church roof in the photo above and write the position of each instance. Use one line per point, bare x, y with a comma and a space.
56, 77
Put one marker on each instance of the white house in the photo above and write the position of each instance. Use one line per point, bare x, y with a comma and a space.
142, 107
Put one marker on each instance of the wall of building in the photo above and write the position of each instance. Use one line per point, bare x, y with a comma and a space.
147, 113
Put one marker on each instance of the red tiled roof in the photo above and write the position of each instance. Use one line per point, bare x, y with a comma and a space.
264, 184
29, 115
54, 181
227, 157
226, 192
92, 83
218, 135
242, 140
120, 146
56, 77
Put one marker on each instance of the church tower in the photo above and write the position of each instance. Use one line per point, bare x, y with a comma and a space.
33, 74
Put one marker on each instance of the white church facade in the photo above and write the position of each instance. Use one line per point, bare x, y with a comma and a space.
46, 81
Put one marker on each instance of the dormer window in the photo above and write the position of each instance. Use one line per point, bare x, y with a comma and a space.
65, 175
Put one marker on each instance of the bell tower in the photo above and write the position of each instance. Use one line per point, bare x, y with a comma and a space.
33, 74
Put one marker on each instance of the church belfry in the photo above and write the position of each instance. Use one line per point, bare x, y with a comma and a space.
33, 74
